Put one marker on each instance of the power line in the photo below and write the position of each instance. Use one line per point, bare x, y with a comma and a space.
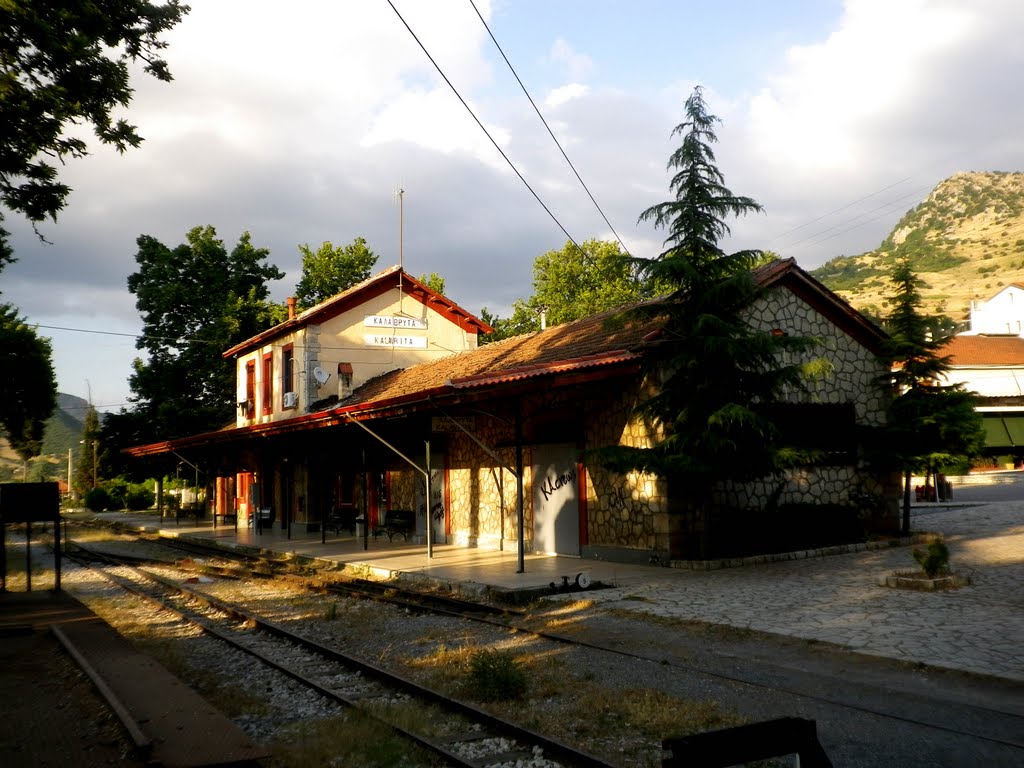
171, 339
886, 208
839, 209
482, 128
548, 127
178, 340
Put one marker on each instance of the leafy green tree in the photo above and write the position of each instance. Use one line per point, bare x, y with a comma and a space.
332, 269
87, 459
573, 283
433, 281
523, 320
28, 386
196, 300
718, 377
931, 425
66, 64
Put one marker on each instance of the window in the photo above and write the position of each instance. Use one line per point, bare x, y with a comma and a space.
828, 429
248, 406
288, 376
268, 383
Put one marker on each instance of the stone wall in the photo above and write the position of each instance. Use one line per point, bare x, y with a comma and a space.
629, 513
855, 369
623, 510
482, 491
853, 378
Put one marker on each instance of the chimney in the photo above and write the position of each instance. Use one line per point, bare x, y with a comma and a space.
291, 307
344, 380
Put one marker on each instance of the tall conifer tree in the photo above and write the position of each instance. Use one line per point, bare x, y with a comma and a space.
931, 424
717, 376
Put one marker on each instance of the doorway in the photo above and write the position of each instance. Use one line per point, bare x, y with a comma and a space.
438, 512
556, 500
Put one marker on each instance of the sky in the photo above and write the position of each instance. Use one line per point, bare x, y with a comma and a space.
298, 123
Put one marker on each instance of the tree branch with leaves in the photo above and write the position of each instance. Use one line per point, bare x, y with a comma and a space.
63, 65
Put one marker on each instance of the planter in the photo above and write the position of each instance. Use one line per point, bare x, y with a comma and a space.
921, 582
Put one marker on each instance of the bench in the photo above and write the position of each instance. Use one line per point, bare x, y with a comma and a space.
194, 509
746, 743
343, 519
261, 518
396, 521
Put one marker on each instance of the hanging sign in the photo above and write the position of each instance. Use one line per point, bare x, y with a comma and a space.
394, 321
395, 340
452, 423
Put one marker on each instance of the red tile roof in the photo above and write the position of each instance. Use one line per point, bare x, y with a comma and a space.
591, 347
984, 350
579, 345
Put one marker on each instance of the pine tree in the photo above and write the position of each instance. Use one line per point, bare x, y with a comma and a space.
931, 424
86, 469
718, 376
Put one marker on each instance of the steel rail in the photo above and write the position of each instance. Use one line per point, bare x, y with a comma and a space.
553, 748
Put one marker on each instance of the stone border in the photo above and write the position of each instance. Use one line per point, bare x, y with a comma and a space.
921, 583
803, 554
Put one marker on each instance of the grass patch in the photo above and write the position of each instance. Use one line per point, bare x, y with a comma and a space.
426, 720
496, 675
345, 740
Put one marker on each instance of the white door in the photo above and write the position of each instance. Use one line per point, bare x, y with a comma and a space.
556, 501
437, 496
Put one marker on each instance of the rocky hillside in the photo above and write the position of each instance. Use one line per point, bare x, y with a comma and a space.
965, 240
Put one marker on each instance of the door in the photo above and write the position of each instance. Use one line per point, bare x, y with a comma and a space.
438, 513
556, 501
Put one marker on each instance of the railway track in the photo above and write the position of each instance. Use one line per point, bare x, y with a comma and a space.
470, 736
959, 719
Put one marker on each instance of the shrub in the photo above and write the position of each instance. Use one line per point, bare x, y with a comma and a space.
97, 500
934, 559
138, 498
117, 493
496, 675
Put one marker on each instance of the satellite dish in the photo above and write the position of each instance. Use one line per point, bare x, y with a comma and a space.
321, 375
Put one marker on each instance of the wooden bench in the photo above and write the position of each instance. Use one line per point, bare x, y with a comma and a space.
746, 743
396, 521
194, 509
343, 519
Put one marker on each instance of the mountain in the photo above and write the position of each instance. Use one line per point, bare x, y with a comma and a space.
63, 431
965, 241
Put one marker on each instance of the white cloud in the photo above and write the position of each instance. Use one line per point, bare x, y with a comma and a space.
813, 116
566, 93
296, 123
575, 66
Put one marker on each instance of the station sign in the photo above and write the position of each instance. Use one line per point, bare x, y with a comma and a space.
394, 321
395, 340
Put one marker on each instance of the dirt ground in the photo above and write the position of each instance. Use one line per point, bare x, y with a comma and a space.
53, 715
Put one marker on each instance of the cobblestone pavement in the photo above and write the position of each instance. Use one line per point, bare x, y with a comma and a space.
837, 599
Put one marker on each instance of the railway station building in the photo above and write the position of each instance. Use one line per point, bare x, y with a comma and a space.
377, 412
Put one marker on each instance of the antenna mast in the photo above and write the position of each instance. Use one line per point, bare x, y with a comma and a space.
400, 195
401, 228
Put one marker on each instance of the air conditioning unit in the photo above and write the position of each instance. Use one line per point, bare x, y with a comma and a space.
291, 399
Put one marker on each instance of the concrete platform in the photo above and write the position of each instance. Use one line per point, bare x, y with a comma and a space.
170, 724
